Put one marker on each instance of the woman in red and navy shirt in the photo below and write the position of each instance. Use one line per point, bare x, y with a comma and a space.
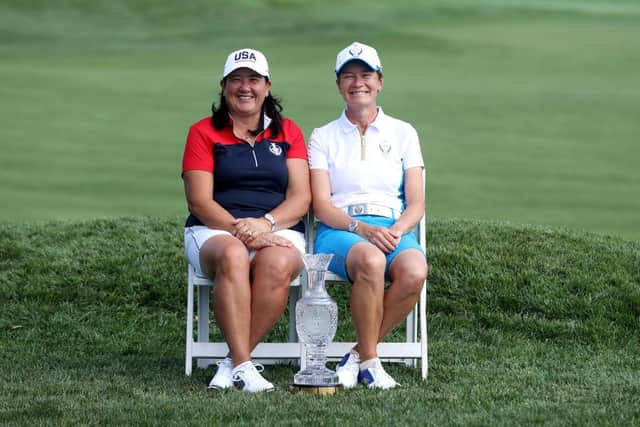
246, 181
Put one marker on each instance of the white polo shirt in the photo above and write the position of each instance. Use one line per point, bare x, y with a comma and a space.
368, 168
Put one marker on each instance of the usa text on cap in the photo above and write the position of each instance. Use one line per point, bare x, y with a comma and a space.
246, 58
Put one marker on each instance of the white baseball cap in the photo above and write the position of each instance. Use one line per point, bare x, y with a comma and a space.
358, 52
246, 58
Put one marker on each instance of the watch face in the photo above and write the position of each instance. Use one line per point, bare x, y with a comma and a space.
272, 220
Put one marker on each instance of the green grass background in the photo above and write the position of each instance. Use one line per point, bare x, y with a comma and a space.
527, 110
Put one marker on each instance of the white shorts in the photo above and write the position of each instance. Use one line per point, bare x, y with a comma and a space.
195, 236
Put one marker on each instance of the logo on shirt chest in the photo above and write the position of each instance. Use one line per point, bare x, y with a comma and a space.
275, 149
385, 147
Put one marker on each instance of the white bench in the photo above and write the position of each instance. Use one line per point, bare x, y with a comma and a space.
414, 347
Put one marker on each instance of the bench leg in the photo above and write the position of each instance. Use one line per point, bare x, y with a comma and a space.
203, 321
188, 362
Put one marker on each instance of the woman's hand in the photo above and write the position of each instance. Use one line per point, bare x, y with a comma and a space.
264, 240
247, 229
383, 238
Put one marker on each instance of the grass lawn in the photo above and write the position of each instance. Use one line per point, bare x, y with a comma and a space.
526, 110
526, 326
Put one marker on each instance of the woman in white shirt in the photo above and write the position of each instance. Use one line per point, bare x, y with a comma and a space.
367, 187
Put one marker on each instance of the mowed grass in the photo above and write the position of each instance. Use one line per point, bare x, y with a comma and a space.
527, 326
527, 111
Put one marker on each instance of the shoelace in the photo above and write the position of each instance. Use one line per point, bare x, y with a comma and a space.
255, 372
222, 362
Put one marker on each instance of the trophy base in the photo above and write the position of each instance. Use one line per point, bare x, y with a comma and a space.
315, 389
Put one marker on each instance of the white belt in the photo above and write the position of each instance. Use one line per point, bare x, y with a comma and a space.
370, 209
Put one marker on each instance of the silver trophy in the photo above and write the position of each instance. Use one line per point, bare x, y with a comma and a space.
316, 323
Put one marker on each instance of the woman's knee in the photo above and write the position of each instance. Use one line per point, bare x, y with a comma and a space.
418, 274
279, 265
224, 257
366, 263
410, 271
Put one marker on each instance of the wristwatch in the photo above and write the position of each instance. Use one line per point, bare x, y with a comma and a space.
353, 226
272, 220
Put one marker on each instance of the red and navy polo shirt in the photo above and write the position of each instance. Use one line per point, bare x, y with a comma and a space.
249, 181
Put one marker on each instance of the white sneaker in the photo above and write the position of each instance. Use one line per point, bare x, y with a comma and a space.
222, 379
348, 369
376, 377
246, 377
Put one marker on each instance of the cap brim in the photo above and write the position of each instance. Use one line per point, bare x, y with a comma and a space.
371, 67
248, 66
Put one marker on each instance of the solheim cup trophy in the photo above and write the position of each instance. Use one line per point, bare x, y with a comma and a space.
316, 323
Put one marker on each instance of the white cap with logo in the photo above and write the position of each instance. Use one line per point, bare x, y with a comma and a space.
358, 52
246, 58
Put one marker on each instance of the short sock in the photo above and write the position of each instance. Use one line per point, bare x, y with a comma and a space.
371, 363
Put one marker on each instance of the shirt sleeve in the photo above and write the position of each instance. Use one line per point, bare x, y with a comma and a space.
198, 152
413, 154
317, 152
297, 148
